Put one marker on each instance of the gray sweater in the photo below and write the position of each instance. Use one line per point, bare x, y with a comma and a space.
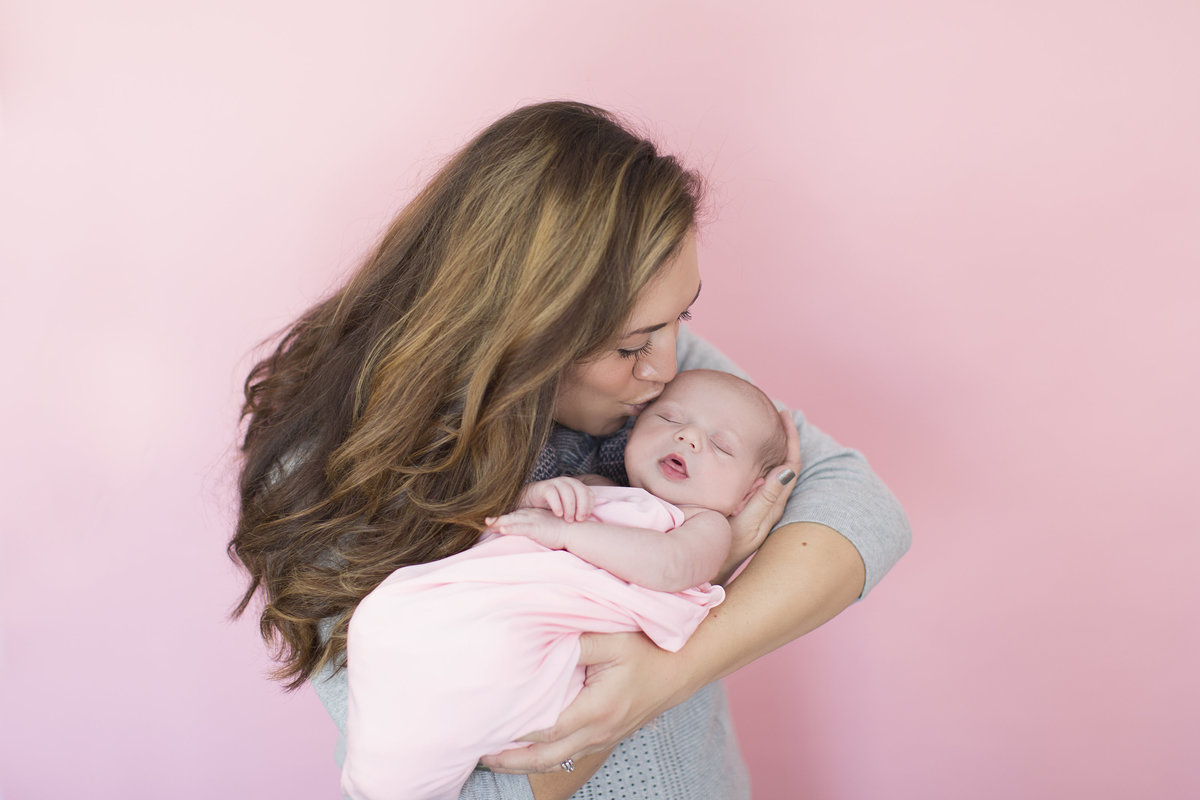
690, 751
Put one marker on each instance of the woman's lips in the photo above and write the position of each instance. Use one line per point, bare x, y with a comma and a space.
673, 467
638, 408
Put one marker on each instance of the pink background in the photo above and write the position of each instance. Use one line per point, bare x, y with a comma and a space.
963, 237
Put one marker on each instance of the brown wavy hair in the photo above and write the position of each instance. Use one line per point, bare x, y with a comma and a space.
391, 418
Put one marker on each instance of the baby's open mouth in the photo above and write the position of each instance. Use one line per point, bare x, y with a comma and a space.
673, 467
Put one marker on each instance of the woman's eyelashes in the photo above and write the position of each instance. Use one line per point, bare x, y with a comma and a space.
637, 352
644, 350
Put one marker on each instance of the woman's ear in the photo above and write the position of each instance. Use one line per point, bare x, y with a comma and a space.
749, 493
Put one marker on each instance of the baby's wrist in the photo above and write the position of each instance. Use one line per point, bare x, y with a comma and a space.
567, 534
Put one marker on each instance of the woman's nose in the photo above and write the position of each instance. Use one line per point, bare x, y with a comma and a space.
659, 364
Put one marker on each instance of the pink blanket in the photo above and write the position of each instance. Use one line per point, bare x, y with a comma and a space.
452, 660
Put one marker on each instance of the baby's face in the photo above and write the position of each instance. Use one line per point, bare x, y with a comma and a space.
700, 443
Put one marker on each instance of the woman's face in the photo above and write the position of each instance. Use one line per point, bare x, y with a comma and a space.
597, 396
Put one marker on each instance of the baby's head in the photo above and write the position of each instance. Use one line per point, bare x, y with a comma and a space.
708, 440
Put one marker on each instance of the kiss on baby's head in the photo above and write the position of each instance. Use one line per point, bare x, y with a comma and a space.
708, 440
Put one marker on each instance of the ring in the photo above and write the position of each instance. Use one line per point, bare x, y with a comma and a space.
568, 765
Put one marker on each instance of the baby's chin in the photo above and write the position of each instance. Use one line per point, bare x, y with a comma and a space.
663, 490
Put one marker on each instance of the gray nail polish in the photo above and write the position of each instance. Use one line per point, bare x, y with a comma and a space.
786, 476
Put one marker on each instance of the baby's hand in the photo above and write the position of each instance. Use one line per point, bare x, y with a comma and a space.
567, 498
538, 524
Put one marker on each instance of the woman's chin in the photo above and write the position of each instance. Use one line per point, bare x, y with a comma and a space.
595, 424
607, 428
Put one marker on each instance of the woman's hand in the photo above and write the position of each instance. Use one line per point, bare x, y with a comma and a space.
629, 682
764, 508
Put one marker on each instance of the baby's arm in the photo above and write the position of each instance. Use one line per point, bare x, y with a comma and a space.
686, 556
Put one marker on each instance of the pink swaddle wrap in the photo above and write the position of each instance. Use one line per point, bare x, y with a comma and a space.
452, 660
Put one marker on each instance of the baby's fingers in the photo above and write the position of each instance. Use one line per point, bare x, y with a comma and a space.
585, 501
506, 520
566, 501
554, 503
512, 527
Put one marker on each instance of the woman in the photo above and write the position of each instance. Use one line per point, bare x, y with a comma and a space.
512, 319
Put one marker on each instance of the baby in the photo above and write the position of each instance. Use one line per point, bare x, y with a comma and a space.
451, 660
704, 445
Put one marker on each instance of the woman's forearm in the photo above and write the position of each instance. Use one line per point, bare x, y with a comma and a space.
804, 575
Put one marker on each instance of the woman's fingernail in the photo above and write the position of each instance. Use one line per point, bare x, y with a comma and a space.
786, 476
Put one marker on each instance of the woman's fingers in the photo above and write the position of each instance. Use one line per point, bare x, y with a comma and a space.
541, 756
786, 474
629, 681
764, 508
600, 649
793, 440
546, 751
766, 504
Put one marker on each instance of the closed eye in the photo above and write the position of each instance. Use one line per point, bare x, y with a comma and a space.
644, 350
637, 352
722, 445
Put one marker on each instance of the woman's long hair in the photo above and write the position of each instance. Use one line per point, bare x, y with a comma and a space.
394, 416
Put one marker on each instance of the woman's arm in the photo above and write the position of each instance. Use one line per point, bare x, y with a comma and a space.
841, 531
803, 576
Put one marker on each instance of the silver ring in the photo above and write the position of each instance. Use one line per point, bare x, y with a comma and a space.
568, 765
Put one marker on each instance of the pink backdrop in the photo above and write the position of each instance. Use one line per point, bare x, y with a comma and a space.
964, 237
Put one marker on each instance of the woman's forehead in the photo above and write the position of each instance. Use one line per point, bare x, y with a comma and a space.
672, 292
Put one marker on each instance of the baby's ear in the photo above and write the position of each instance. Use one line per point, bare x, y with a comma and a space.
749, 493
